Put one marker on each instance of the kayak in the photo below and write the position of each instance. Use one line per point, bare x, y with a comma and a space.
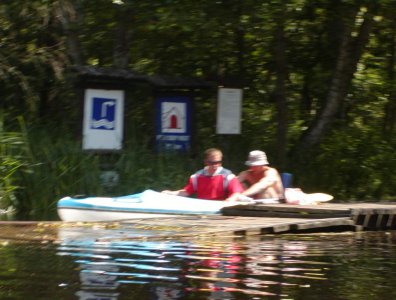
152, 204
148, 204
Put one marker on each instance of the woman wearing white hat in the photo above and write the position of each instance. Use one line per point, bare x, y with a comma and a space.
260, 180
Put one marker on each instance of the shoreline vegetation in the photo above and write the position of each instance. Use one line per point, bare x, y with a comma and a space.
37, 169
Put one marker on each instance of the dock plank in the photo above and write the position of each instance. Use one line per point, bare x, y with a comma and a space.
242, 220
244, 226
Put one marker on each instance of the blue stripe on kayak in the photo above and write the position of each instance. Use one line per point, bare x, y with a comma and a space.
132, 197
71, 203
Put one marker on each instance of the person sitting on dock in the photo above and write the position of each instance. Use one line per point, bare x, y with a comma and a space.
213, 182
264, 182
260, 181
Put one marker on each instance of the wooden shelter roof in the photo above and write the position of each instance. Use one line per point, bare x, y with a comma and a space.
92, 73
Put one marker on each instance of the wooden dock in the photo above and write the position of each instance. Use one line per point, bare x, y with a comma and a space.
237, 221
365, 216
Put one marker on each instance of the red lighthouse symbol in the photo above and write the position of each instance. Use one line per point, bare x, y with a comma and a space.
172, 118
173, 122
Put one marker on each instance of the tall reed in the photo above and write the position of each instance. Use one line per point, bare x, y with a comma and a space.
57, 167
12, 159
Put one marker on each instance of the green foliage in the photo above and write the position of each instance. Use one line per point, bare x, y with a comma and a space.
12, 159
141, 169
229, 42
351, 165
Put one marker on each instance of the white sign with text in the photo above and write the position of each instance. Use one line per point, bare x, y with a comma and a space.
229, 111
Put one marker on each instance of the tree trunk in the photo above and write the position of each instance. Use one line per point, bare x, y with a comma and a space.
280, 89
70, 18
349, 55
123, 37
240, 41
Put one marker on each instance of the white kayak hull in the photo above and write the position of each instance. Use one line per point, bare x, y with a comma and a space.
92, 215
149, 204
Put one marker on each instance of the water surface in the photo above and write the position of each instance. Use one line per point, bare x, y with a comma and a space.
83, 265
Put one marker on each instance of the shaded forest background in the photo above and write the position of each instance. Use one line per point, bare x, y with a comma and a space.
318, 79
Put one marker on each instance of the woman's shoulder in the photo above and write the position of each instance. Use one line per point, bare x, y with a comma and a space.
272, 170
243, 174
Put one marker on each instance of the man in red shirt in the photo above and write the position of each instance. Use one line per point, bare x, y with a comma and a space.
212, 182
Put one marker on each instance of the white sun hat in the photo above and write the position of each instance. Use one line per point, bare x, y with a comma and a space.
257, 158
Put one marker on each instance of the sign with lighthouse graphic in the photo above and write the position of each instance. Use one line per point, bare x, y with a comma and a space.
173, 123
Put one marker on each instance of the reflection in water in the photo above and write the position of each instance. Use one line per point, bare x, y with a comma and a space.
226, 269
105, 266
99, 264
